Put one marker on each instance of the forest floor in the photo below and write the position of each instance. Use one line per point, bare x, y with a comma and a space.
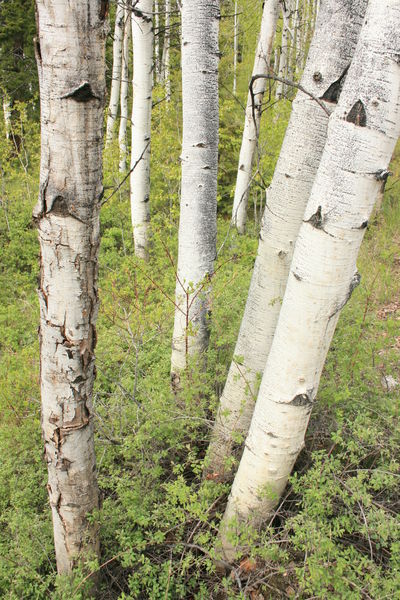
336, 532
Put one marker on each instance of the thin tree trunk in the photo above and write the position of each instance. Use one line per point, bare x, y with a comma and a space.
253, 118
235, 46
362, 135
283, 61
166, 50
330, 55
142, 36
7, 115
124, 91
116, 72
198, 208
70, 52
157, 68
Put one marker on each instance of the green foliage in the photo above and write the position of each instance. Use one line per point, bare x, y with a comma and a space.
18, 73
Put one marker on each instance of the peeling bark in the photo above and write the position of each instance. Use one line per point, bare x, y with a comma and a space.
71, 62
345, 188
330, 53
198, 207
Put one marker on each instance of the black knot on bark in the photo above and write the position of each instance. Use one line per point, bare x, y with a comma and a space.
358, 115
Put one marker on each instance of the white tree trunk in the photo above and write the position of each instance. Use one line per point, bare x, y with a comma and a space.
142, 36
252, 125
70, 52
330, 54
362, 134
7, 115
157, 41
235, 46
283, 61
198, 207
124, 91
116, 71
166, 50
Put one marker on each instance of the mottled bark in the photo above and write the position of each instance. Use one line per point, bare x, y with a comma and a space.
71, 62
143, 40
362, 134
253, 115
330, 55
198, 207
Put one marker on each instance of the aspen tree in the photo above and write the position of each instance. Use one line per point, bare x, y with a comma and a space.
253, 116
7, 115
124, 91
362, 134
283, 60
166, 50
143, 39
235, 45
70, 52
198, 206
157, 68
330, 54
116, 71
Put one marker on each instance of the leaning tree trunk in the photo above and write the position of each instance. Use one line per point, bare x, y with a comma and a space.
331, 51
198, 207
362, 135
124, 92
70, 52
143, 39
116, 71
157, 68
253, 116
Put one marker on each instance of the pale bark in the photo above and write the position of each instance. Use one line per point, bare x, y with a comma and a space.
116, 71
283, 60
253, 117
198, 206
124, 92
166, 50
70, 52
143, 39
7, 115
330, 55
235, 46
362, 134
157, 67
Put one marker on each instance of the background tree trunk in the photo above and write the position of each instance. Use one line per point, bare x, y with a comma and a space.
116, 71
142, 36
330, 54
124, 91
198, 207
235, 45
71, 63
166, 50
362, 134
251, 128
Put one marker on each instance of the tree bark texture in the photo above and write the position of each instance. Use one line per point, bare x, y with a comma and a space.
116, 71
330, 54
70, 51
166, 50
362, 134
198, 206
253, 117
124, 91
143, 40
